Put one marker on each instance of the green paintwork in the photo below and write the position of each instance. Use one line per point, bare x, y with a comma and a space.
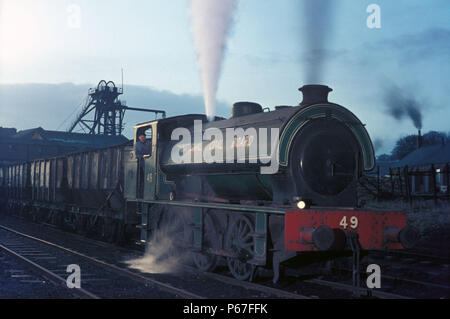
225, 207
145, 223
322, 110
164, 186
150, 178
156, 184
151, 174
260, 238
255, 185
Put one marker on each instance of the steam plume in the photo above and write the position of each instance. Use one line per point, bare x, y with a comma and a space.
162, 254
157, 258
400, 106
318, 25
211, 20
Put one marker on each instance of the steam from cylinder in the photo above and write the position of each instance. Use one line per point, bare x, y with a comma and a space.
211, 20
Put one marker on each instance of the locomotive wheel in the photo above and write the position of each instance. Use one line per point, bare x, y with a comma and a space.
202, 260
240, 240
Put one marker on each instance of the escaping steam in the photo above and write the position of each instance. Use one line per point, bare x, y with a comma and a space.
158, 258
211, 20
163, 252
318, 16
400, 106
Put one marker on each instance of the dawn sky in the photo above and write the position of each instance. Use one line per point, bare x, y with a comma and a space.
265, 60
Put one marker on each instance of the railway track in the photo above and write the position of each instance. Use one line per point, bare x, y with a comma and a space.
250, 288
18, 280
319, 283
396, 279
52, 260
414, 255
248, 285
217, 277
45, 272
361, 291
265, 289
416, 271
404, 273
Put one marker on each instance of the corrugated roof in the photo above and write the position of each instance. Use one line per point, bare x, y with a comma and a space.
435, 154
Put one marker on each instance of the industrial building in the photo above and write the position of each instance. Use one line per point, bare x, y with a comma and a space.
428, 169
423, 173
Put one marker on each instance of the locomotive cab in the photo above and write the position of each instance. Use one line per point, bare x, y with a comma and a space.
143, 178
143, 145
141, 162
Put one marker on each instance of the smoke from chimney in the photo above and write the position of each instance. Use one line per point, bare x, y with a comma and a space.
211, 20
377, 144
318, 18
401, 106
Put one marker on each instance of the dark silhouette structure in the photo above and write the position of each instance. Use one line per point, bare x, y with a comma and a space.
103, 112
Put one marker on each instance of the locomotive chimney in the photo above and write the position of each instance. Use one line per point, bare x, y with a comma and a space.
419, 140
314, 94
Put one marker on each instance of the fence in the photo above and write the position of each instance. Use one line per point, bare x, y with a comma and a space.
409, 183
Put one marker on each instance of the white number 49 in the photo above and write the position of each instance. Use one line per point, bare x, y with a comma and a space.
353, 222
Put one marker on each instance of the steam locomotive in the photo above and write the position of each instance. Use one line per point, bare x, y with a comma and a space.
211, 197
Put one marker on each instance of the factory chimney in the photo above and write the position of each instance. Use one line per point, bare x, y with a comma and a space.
314, 94
419, 140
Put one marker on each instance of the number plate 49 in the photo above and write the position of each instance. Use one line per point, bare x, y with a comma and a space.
353, 222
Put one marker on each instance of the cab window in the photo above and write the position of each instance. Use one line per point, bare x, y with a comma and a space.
143, 145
